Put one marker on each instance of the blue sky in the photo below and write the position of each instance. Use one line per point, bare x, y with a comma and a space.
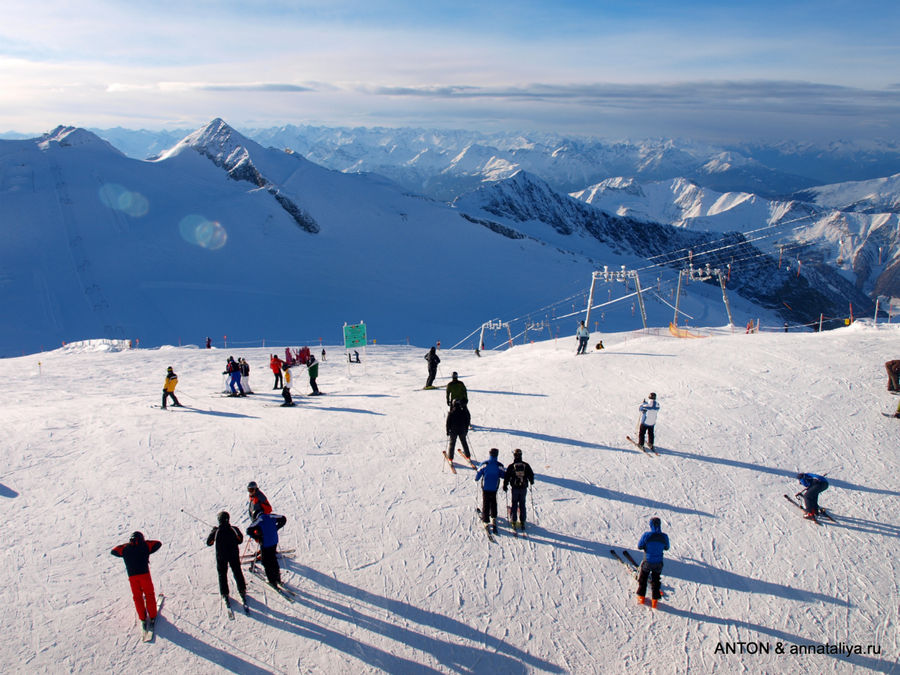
710, 70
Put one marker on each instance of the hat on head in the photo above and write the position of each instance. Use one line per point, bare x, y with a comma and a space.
517, 453
137, 538
223, 517
169, 369
252, 485
494, 452
653, 394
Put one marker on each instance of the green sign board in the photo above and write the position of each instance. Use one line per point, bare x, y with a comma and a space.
355, 335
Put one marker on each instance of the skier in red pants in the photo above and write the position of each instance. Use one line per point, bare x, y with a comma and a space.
136, 554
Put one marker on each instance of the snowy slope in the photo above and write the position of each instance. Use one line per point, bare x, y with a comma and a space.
879, 195
391, 572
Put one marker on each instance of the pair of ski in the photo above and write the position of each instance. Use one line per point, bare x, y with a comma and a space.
822, 512
450, 461
633, 567
641, 447
486, 526
251, 557
230, 612
281, 590
149, 634
514, 528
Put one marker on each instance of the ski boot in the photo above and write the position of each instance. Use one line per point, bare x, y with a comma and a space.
642, 600
494, 525
654, 603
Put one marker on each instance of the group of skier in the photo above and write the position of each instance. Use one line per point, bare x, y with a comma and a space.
226, 538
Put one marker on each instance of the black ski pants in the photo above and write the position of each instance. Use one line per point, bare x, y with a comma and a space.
279, 382
645, 430
462, 439
286, 393
654, 572
811, 495
518, 504
222, 565
312, 383
488, 505
166, 395
432, 373
269, 559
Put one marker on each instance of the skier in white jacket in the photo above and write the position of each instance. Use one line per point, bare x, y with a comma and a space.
648, 420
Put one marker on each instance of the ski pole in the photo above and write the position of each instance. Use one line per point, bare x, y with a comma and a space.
199, 520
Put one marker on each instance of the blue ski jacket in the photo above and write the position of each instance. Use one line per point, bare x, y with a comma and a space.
807, 479
265, 529
653, 543
493, 473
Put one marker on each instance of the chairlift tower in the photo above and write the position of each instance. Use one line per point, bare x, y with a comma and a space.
702, 274
494, 325
622, 275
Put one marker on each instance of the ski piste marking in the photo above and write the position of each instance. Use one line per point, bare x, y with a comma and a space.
449, 461
150, 635
637, 445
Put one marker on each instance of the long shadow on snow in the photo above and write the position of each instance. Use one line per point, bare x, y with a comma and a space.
696, 571
834, 482
167, 630
352, 410
865, 526
596, 491
492, 654
874, 664
507, 393
218, 413
552, 439
7, 492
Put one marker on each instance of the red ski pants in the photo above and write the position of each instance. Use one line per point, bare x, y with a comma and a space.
142, 587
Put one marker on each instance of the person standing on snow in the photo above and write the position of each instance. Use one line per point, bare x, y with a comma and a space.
312, 367
456, 391
583, 335
814, 485
286, 389
227, 537
652, 543
169, 388
433, 361
649, 412
490, 474
893, 373
275, 365
256, 501
136, 554
245, 375
519, 475
458, 420
265, 531
233, 370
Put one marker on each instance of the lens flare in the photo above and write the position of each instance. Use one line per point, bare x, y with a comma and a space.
202, 232
122, 199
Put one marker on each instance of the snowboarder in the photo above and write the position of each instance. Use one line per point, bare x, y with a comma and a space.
286, 389
456, 391
814, 485
233, 370
256, 501
583, 335
458, 420
169, 388
275, 365
264, 530
245, 375
491, 471
649, 412
136, 554
652, 543
312, 367
893, 372
433, 361
226, 537
520, 476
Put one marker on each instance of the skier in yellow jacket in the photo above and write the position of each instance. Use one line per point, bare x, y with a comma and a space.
169, 388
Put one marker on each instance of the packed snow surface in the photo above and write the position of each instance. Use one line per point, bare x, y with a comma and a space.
391, 570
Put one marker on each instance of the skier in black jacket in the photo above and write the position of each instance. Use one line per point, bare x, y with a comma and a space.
458, 420
520, 476
433, 361
226, 537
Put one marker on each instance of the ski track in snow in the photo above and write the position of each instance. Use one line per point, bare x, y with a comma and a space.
393, 571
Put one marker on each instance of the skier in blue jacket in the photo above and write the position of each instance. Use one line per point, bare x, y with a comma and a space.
490, 474
265, 530
814, 485
652, 543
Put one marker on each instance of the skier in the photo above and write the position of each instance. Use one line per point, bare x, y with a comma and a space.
433, 361
275, 365
169, 388
226, 537
652, 543
649, 412
583, 335
245, 375
519, 475
286, 389
492, 471
233, 369
136, 554
458, 420
456, 391
256, 501
208, 342
323, 354
814, 485
264, 529
312, 367
893, 372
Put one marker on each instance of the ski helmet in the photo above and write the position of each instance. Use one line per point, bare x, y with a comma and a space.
454, 375
169, 369
653, 395
517, 453
494, 452
655, 523
137, 538
252, 485
224, 517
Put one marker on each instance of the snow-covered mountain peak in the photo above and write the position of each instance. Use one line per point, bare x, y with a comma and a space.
727, 161
65, 136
